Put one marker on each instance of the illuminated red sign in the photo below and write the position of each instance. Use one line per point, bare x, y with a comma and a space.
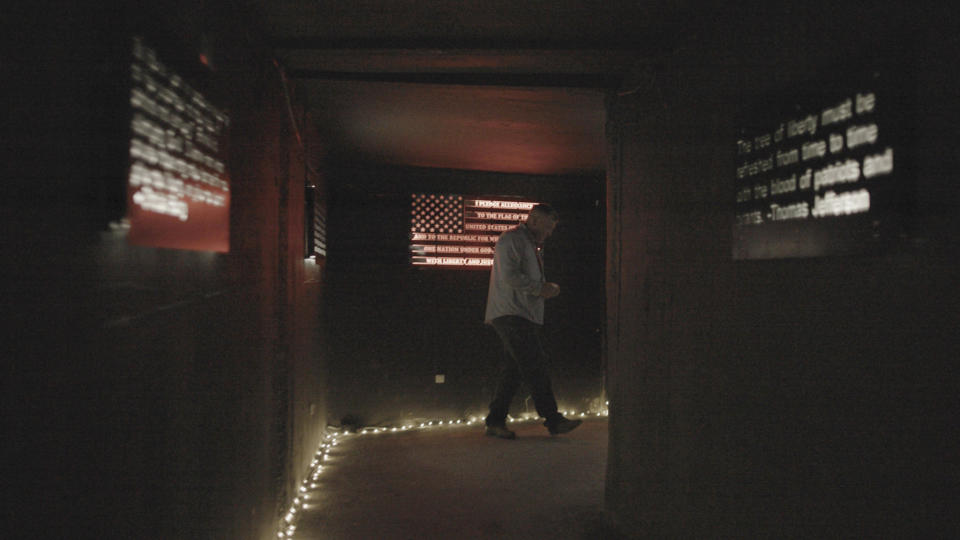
458, 231
178, 188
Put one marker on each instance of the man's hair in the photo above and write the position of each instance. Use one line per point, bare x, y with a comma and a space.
545, 210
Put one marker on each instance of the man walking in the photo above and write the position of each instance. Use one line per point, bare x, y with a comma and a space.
515, 302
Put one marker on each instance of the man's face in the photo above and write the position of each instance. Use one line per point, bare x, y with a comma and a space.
541, 226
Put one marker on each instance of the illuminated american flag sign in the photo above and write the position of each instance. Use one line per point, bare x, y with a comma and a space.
460, 231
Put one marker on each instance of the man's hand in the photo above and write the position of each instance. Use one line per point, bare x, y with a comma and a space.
549, 290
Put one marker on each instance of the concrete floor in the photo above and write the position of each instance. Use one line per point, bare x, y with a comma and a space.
453, 482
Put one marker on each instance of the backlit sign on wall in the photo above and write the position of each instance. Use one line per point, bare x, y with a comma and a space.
315, 228
822, 173
460, 231
178, 188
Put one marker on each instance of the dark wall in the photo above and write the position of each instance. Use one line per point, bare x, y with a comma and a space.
793, 397
147, 392
394, 326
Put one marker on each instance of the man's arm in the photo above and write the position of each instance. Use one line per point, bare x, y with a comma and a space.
509, 253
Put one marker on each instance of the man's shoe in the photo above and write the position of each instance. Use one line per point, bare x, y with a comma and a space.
500, 432
562, 425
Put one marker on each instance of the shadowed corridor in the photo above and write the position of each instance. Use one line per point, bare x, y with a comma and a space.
216, 247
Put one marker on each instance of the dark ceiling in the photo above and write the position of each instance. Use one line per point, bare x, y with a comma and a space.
494, 85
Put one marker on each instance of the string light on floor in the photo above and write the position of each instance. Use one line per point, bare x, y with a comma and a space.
288, 526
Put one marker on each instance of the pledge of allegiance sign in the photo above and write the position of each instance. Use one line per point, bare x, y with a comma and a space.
460, 231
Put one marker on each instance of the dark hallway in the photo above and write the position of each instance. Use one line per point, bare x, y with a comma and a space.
236, 232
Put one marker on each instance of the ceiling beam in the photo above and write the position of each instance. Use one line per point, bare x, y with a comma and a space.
552, 80
521, 61
647, 44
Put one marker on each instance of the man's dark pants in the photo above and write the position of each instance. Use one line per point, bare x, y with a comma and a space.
526, 361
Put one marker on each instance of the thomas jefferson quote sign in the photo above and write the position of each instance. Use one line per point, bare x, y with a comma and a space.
820, 174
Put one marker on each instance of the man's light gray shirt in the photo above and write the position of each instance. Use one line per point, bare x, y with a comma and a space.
516, 278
